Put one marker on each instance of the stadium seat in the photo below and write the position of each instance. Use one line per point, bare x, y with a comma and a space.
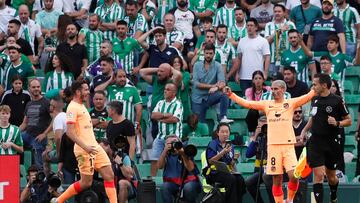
352, 101
239, 128
211, 119
27, 159
237, 114
350, 143
350, 169
348, 87
353, 74
235, 87
144, 170
23, 174
200, 142
246, 169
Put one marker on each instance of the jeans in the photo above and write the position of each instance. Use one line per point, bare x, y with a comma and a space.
37, 147
191, 190
350, 49
69, 178
214, 98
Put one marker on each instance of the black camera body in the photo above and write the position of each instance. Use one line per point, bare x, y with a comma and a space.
52, 179
190, 150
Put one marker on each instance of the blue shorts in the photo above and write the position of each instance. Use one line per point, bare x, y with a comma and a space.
157, 148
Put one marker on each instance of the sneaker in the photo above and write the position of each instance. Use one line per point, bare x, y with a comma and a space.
226, 120
334, 201
53, 200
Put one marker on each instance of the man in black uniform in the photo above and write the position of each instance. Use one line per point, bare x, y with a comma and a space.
328, 115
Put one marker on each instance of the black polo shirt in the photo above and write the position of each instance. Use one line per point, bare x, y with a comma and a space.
76, 54
298, 90
17, 103
25, 47
158, 57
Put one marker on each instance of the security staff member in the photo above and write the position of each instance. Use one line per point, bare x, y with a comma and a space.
328, 115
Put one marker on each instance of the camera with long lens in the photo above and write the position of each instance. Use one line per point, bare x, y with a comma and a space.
48, 41
190, 150
52, 179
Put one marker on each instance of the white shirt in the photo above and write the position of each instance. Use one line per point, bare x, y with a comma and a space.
290, 4
58, 5
60, 122
253, 51
6, 14
34, 31
69, 6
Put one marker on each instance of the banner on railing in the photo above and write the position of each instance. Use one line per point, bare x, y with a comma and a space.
9, 179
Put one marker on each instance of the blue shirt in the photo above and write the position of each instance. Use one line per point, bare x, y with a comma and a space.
201, 75
321, 29
174, 168
215, 148
158, 57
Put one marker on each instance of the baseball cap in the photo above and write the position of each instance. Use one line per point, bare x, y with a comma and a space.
330, 1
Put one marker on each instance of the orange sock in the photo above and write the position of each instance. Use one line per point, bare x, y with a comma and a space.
72, 190
292, 189
278, 194
110, 191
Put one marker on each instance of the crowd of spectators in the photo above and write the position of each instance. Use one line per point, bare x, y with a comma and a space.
186, 51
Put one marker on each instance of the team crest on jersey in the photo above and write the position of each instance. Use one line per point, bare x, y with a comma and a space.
329, 109
273, 168
286, 105
70, 115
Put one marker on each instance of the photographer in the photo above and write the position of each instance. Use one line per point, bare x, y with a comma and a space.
180, 174
40, 189
219, 149
257, 147
121, 165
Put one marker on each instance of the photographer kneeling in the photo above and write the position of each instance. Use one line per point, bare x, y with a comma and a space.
221, 150
180, 173
121, 165
40, 188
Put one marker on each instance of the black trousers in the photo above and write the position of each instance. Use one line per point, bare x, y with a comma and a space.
234, 185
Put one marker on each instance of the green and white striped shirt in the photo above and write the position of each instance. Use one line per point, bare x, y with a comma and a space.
281, 42
350, 17
139, 24
236, 32
225, 16
175, 108
164, 6
128, 95
228, 51
124, 52
269, 96
55, 80
10, 134
110, 15
93, 40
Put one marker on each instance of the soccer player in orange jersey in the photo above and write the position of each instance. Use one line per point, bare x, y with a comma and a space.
281, 138
89, 154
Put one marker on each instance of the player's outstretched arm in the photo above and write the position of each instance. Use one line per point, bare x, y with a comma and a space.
257, 105
299, 101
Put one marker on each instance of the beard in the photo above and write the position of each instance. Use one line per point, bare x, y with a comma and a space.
182, 4
326, 12
72, 37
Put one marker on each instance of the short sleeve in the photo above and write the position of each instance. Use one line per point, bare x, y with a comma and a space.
178, 113
343, 109
157, 107
126, 161
84, 56
195, 22
18, 139
339, 27
58, 123
26, 49
31, 72
85, 4
265, 48
71, 114
38, 30
137, 99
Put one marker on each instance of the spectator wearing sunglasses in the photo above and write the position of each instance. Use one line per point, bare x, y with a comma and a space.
298, 125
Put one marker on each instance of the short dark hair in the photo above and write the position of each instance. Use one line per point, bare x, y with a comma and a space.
324, 79
117, 106
290, 68
207, 19
334, 38
100, 92
67, 92
293, 31
122, 22
212, 31
77, 85
131, 3
32, 168
14, 48
15, 21
253, 20
160, 30
209, 46
238, 9
222, 26
281, 6
16, 77
325, 57
107, 59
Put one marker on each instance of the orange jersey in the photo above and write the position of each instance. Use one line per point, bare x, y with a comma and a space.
279, 116
77, 114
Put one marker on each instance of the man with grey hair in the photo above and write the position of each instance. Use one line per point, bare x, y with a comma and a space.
280, 137
106, 50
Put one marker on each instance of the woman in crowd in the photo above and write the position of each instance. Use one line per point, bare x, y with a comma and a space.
58, 75
16, 99
221, 150
184, 92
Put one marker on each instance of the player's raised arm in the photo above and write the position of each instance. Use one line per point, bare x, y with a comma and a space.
257, 105
299, 101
